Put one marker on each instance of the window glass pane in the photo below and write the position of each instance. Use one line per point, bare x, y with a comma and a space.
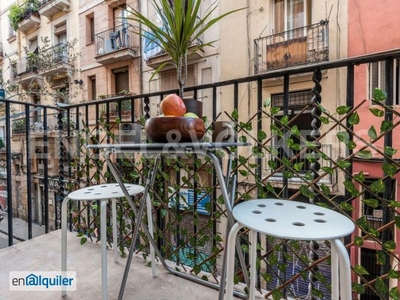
295, 14
279, 9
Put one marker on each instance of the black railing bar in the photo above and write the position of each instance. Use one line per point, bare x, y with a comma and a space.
9, 182
315, 25
28, 169
46, 169
115, 27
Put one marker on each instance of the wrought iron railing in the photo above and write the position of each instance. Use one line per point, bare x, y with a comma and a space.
300, 46
189, 236
115, 39
54, 55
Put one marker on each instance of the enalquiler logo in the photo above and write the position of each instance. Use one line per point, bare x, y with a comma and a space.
42, 280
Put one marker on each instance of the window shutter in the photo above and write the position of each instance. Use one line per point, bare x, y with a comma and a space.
169, 80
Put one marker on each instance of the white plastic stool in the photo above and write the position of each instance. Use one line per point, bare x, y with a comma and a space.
101, 192
296, 221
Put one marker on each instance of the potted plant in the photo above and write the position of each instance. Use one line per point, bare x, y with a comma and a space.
181, 24
24, 11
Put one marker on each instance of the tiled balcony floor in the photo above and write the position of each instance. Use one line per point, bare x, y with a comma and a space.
43, 254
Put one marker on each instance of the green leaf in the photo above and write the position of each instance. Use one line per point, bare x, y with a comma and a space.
295, 131
390, 151
243, 172
235, 114
394, 293
354, 119
324, 120
390, 245
374, 203
346, 206
360, 177
379, 95
298, 166
377, 112
360, 270
386, 126
272, 164
242, 139
284, 120
267, 102
325, 189
349, 185
380, 285
275, 110
306, 191
393, 274
358, 288
358, 241
397, 221
327, 170
378, 186
83, 240
343, 136
372, 133
341, 110
381, 257
261, 135
389, 169
365, 154
277, 294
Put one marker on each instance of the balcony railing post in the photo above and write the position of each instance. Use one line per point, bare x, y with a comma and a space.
315, 165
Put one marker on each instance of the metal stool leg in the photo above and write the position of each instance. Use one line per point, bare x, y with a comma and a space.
344, 268
64, 212
114, 221
334, 272
253, 255
230, 260
151, 230
103, 230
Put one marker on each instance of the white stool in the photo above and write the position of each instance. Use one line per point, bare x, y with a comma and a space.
101, 192
297, 221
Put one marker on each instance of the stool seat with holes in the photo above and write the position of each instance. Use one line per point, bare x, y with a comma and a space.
297, 221
102, 192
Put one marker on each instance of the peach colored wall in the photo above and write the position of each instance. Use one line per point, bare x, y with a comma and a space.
373, 26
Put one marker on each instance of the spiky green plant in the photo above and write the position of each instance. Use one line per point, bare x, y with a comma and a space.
181, 25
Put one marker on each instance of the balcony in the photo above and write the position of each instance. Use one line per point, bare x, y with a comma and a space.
55, 60
300, 46
191, 240
49, 8
29, 21
25, 70
155, 56
116, 44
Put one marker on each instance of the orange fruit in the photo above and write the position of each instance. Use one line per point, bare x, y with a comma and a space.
172, 105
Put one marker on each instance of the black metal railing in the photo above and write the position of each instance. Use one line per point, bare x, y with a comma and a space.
54, 55
300, 46
180, 231
118, 38
1, 49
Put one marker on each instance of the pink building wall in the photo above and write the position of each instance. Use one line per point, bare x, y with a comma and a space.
374, 26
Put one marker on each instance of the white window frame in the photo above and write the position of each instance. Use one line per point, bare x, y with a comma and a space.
381, 80
286, 5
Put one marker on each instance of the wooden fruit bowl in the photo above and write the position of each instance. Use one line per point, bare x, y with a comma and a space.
174, 129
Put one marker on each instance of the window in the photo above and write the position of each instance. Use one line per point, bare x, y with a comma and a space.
121, 80
60, 33
169, 82
377, 79
90, 29
11, 32
291, 14
297, 102
370, 263
92, 88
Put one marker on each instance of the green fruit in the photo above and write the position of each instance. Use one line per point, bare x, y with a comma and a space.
191, 115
